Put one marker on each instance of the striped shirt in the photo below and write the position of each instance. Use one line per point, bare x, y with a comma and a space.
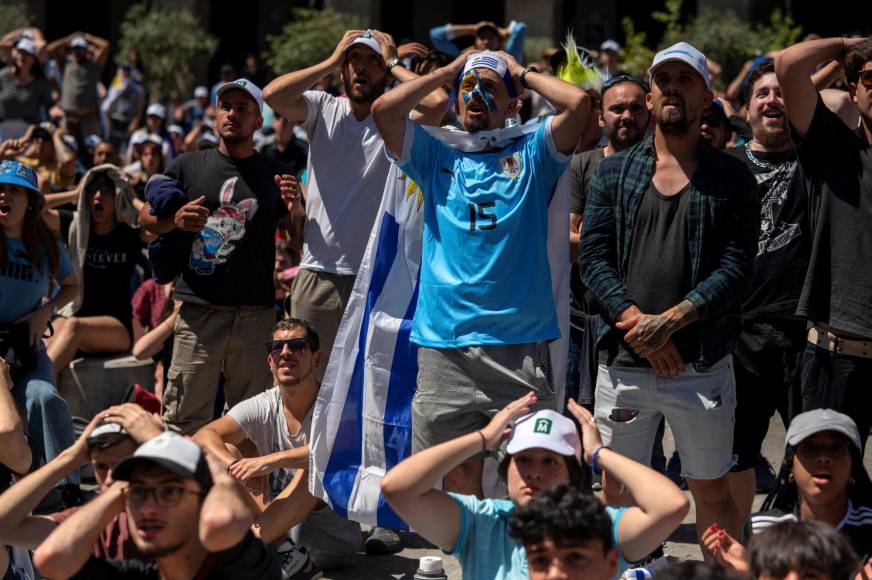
856, 525
29, 102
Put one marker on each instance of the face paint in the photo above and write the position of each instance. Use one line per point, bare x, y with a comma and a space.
470, 86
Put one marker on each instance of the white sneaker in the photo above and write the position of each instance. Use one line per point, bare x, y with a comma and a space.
295, 559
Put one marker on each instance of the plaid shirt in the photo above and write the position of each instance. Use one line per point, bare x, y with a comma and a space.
723, 221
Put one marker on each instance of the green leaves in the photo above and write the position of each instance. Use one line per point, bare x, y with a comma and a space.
13, 15
170, 43
309, 38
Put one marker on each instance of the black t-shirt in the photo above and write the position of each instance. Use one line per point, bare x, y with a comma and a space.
837, 170
232, 260
659, 273
294, 155
784, 243
251, 559
108, 271
582, 167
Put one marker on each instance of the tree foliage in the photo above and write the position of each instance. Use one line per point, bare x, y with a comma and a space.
170, 42
13, 15
309, 38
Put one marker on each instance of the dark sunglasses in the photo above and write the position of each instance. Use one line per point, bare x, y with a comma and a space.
711, 121
275, 347
165, 496
866, 79
626, 78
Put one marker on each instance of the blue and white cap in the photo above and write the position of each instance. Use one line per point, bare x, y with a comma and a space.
247, 86
16, 173
686, 53
488, 59
27, 45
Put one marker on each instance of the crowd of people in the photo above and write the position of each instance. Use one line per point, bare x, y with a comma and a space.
717, 234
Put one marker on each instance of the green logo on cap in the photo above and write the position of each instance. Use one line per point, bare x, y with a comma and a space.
542, 426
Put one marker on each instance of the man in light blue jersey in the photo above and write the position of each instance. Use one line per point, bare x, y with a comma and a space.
485, 298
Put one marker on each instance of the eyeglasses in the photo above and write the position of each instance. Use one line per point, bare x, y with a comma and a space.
866, 79
711, 121
275, 347
165, 496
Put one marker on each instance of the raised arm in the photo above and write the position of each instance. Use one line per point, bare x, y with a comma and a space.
391, 110
660, 504
56, 48
226, 515
70, 545
285, 93
408, 487
794, 64
101, 46
572, 104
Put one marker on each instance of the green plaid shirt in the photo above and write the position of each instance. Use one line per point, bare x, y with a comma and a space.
723, 222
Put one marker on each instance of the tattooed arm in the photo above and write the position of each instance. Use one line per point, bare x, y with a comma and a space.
648, 333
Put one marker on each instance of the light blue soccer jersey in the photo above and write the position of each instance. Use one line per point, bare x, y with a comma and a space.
485, 277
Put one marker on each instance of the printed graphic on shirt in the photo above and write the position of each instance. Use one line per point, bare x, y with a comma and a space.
102, 259
224, 226
511, 165
775, 182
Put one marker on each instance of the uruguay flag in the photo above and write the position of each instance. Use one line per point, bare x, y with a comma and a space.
361, 423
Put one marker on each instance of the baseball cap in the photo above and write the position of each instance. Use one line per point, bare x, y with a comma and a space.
176, 129
138, 138
545, 429
683, 52
488, 24
245, 85
16, 173
171, 451
488, 59
28, 46
157, 110
208, 137
107, 429
807, 424
201, 92
78, 42
93, 140
611, 45
366, 39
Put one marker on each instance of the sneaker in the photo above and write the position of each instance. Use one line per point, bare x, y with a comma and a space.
382, 541
296, 563
765, 475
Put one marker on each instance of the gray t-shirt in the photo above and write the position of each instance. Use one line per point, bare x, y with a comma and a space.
79, 88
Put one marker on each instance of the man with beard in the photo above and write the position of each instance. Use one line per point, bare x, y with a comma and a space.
836, 163
670, 230
767, 351
624, 117
226, 280
485, 296
182, 509
274, 426
347, 168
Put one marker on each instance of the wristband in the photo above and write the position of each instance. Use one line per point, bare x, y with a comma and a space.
594, 460
523, 77
393, 62
483, 441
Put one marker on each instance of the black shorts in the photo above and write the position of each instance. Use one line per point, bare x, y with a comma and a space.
766, 360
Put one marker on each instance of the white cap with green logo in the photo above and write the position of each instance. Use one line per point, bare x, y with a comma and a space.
545, 429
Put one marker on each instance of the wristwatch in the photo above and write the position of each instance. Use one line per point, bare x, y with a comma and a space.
393, 62
523, 77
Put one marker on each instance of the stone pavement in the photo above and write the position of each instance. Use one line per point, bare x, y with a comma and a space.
682, 545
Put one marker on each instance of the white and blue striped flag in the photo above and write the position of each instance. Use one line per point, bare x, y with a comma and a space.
362, 421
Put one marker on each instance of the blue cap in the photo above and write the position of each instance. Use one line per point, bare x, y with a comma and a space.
15, 173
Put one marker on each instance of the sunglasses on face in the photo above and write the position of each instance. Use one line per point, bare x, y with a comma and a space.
711, 121
275, 347
165, 496
866, 79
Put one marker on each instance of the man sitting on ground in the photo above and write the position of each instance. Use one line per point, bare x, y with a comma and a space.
274, 427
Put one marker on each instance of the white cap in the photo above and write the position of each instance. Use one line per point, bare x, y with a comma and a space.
176, 129
172, 451
367, 40
430, 565
78, 42
807, 424
610, 44
201, 92
486, 59
28, 46
545, 429
157, 110
152, 138
683, 52
247, 86
107, 429
138, 138
208, 137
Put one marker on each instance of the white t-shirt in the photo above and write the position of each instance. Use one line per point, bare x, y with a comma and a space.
263, 422
347, 169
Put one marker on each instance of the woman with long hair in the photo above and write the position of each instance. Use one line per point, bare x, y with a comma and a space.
32, 262
25, 93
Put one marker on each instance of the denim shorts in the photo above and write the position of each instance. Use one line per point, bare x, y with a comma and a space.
461, 389
699, 407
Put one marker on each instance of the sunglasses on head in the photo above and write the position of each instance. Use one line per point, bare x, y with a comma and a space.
275, 347
625, 78
866, 79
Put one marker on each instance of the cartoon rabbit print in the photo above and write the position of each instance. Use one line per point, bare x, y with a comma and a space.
224, 226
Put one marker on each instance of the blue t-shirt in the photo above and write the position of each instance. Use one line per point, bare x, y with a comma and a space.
485, 549
22, 286
485, 277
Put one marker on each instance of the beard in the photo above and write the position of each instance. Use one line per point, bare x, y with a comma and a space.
366, 94
673, 121
630, 137
234, 138
475, 125
773, 139
155, 552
